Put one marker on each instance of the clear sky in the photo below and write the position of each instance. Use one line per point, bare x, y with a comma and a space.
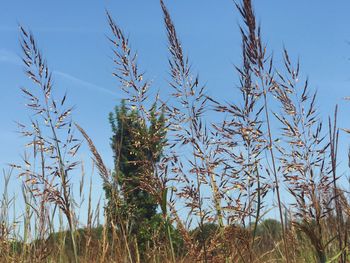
72, 36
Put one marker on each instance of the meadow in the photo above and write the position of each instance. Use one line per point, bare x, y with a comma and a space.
183, 188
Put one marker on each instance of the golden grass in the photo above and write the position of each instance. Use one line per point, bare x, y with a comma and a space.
214, 199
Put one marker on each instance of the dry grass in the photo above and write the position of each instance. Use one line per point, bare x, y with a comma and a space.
213, 199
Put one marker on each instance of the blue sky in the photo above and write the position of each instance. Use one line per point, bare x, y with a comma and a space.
72, 36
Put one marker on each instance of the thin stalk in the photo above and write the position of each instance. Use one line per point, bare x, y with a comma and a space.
275, 174
333, 139
170, 240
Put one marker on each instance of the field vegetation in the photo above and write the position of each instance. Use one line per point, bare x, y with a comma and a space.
182, 189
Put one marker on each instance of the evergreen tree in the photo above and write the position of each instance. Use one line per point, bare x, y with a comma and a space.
137, 146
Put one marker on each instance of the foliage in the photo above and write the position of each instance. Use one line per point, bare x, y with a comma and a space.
135, 145
213, 183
